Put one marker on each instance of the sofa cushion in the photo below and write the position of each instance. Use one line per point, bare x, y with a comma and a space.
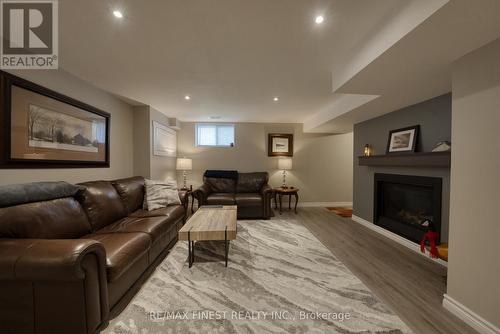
154, 226
131, 192
160, 194
174, 212
101, 202
61, 218
122, 250
248, 200
220, 199
251, 182
221, 185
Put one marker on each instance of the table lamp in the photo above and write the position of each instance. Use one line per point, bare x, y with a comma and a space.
184, 164
284, 164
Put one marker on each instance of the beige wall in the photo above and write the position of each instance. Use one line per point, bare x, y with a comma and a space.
161, 167
121, 131
474, 268
322, 164
145, 163
142, 143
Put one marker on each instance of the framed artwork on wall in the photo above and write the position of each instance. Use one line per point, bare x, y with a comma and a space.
164, 140
40, 128
403, 140
280, 145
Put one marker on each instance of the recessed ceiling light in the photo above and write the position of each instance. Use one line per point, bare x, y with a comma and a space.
118, 14
215, 117
319, 19
187, 97
276, 99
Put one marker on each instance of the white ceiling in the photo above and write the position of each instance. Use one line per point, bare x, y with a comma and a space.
233, 56
418, 66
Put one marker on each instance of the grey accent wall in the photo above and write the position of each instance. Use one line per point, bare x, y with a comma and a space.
434, 118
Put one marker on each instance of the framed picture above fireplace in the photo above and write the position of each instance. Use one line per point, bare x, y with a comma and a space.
403, 140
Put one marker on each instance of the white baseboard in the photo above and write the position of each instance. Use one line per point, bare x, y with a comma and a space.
322, 204
399, 239
469, 317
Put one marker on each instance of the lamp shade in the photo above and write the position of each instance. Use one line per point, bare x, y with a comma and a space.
184, 164
284, 163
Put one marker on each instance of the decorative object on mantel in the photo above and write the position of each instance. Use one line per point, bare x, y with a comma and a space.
367, 150
164, 140
44, 129
280, 145
284, 164
442, 146
184, 164
403, 140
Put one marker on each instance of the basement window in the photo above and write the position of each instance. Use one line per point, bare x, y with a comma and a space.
215, 135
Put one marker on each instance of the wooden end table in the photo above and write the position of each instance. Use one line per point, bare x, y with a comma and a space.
280, 192
210, 223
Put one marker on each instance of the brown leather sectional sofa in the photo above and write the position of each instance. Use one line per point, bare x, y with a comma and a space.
249, 191
70, 258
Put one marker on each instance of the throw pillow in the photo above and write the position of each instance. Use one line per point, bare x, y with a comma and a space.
160, 194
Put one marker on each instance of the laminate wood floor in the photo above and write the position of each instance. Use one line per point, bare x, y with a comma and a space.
410, 284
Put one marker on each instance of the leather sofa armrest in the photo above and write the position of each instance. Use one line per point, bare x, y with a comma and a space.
202, 193
47, 260
267, 194
266, 190
53, 286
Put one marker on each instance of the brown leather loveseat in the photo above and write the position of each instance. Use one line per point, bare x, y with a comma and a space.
72, 255
249, 191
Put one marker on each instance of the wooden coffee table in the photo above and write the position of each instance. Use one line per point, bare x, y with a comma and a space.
280, 192
210, 223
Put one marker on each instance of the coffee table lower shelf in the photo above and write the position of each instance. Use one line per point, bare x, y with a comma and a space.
210, 223
191, 248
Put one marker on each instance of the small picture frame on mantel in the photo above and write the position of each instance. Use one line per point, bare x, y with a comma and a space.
403, 140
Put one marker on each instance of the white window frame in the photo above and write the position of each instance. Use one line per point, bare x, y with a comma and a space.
216, 125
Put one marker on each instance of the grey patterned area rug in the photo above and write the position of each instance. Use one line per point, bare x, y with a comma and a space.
280, 279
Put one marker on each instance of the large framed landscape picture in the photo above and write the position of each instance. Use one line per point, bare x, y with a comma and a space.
44, 129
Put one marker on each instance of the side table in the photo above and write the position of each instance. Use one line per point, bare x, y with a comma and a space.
192, 203
189, 195
290, 191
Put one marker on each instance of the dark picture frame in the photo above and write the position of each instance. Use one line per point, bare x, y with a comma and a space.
403, 140
280, 145
79, 136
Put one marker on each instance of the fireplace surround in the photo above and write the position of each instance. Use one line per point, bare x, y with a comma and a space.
403, 202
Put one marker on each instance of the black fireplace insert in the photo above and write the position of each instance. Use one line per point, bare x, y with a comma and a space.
404, 202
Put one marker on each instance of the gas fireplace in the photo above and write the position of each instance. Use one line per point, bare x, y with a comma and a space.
403, 203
